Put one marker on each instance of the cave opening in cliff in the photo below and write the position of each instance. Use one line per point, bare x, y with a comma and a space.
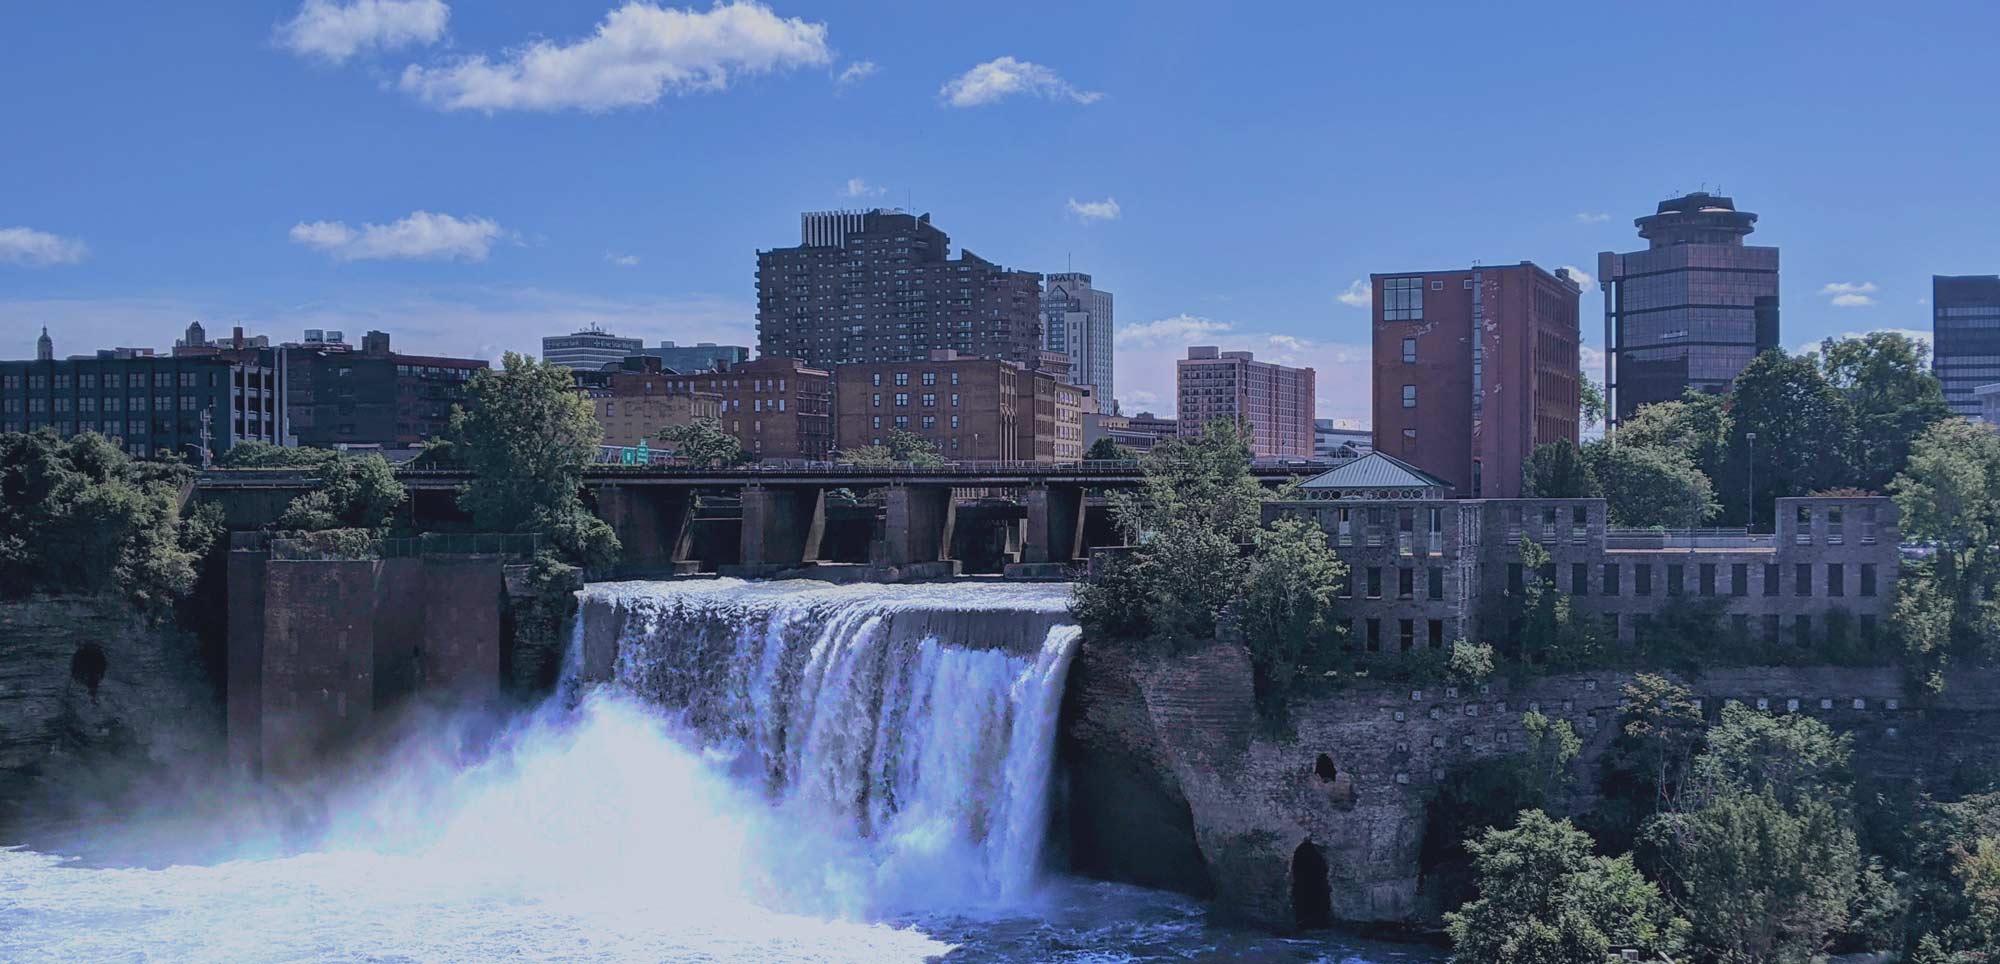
1312, 891
88, 666
1324, 768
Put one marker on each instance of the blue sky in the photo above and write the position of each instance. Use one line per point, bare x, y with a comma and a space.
531, 166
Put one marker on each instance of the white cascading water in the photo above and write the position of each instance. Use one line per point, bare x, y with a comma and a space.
916, 725
732, 772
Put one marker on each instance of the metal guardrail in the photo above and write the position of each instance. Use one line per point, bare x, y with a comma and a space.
332, 547
1710, 538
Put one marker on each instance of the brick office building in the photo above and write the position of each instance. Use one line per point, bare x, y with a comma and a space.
876, 286
1474, 368
779, 408
639, 405
371, 397
1274, 402
972, 409
1425, 570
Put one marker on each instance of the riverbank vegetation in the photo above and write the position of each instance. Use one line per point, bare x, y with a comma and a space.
79, 515
1741, 839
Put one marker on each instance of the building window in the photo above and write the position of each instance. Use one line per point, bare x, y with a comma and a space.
902, 379
902, 399
876, 379
930, 378
1435, 629
1610, 587
1642, 579
1836, 579
1436, 580
1802, 630
1868, 579
1676, 579
1708, 579
1374, 635
1802, 579
1406, 634
1579, 578
1409, 351
1739, 579
1402, 299
1514, 579
1406, 583
1374, 582
1409, 396
1770, 579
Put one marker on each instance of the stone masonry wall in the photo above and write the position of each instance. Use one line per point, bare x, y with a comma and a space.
1173, 781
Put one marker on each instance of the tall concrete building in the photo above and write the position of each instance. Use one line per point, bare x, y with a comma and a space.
589, 349
1076, 321
1473, 368
1965, 337
1692, 309
1274, 402
877, 286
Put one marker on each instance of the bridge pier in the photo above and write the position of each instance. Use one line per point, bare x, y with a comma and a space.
917, 524
655, 526
1054, 538
782, 526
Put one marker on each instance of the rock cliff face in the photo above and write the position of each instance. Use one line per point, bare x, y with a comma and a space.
1173, 780
92, 697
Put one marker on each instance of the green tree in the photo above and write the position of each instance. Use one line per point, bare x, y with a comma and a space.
526, 435
904, 447
1972, 935
1203, 481
79, 515
1286, 610
1660, 731
1761, 853
1697, 426
1107, 449
703, 442
1949, 496
1590, 402
1557, 470
1651, 485
1550, 633
354, 491
1804, 427
1545, 898
1886, 380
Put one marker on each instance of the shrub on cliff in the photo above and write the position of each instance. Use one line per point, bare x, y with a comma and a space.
526, 437
1545, 898
356, 491
79, 515
1198, 548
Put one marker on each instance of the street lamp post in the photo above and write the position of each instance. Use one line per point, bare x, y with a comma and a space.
1750, 497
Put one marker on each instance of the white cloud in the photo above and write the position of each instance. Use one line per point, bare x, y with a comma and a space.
334, 31
856, 187
1147, 352
1581, 277
1088, 211
1592, 217
1847, 294
622, 260
1359, 294
39, 249
1003, 77
422, 235
639, 54
855, 73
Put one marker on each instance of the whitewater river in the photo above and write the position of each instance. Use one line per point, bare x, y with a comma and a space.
730, 773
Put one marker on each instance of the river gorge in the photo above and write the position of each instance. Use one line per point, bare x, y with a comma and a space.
726, 771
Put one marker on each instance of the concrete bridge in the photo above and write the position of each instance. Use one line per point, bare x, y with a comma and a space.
1026, 519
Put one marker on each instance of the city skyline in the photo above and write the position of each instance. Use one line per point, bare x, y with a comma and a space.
280, 209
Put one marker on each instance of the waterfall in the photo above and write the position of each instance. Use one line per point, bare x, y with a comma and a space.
917, 723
